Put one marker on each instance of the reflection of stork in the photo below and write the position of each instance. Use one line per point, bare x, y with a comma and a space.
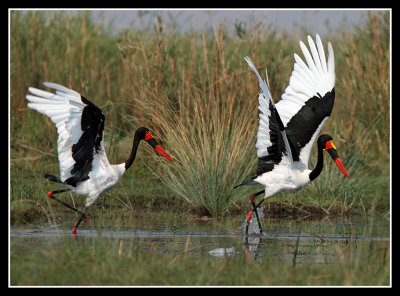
287, 130
252, 246
84, 167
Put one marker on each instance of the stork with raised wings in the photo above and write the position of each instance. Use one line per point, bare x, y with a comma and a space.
288, 129
84, 167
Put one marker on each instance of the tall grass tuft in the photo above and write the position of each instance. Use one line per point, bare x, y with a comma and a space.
209, 142
197, 93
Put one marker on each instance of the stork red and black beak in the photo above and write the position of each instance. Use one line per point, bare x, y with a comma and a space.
330, 147
149, 139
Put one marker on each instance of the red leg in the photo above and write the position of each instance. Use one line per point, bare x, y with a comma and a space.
249, 214
81, 217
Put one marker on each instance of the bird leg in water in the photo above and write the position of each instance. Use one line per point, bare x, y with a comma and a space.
82, 216
254, 209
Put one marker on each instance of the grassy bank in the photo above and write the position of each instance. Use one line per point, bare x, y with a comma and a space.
100, 266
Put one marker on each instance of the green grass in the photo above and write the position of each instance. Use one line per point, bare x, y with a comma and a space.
89, 268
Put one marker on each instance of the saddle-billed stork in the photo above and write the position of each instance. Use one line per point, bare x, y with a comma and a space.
288, 129
84, 167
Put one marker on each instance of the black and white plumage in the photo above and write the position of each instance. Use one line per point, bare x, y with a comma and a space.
288, 129
84, 166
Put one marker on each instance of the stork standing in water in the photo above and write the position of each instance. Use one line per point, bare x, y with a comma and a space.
84, 167
288, 129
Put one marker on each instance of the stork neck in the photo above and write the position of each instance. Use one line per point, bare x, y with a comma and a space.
318, 168
132, 156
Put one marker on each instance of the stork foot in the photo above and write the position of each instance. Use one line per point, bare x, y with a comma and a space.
81, 217
254, 210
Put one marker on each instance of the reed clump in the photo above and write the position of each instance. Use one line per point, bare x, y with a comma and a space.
195, 91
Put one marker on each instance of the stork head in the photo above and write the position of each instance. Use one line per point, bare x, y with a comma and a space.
325, 142
142, 133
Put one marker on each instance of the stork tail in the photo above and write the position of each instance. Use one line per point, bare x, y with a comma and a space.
52, 178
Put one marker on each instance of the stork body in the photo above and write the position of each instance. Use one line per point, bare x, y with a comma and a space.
288, 129
84, 166
285, 177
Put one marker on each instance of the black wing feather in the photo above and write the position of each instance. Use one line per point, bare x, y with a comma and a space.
303, 125
275, 151
92, 126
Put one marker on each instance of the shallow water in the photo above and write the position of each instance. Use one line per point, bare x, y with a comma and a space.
316, 242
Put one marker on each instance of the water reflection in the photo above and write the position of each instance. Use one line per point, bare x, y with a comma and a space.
291, 242
317, 242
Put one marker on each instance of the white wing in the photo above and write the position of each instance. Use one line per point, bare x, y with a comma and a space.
308, 100
271, 143
65, 109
